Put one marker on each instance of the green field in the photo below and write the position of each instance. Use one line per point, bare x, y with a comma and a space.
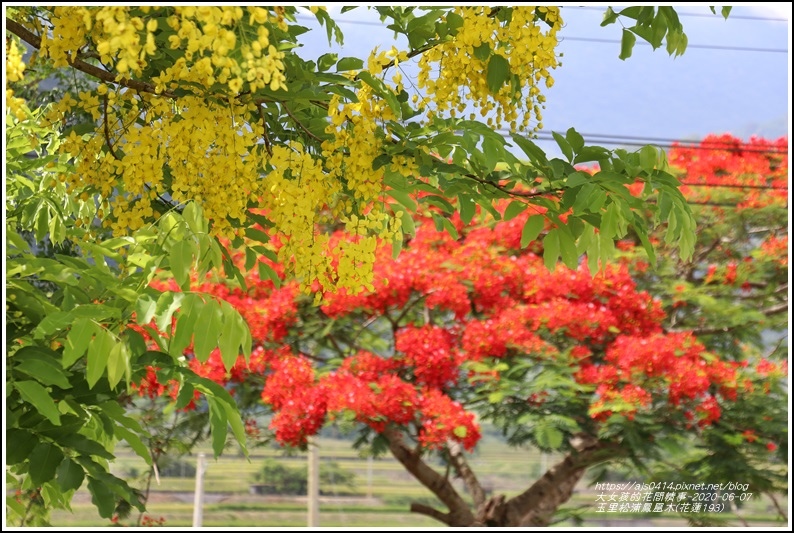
381, 497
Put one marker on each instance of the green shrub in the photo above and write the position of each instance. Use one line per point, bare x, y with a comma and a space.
276, 478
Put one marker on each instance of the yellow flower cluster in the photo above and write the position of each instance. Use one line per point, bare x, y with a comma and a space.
209, 36
296, 190
462, 76
349, 156
191, 149
15, 69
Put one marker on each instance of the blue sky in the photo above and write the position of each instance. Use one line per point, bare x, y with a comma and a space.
650, 95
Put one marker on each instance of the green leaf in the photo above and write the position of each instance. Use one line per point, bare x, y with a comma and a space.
70, 475
403, 198
57, 229
494, 152
648, 158
532, 228
532, 150
460, 432
118, 363
568, 248
397, 244
626, 44
36, 395
236, 423
515, 208
102, 497
257, 235
383, 91
496, 397
231, 334
574, 139
41, 363
145, 307
548, 437
193, 215
53, 323
576, 179
218, 425
185, 395
467, 207
78, 340
498, 73
167, 304
185, 324
593, 153
443, 224
267, 272
551, 249
84, 445
726, 11
44, 460
134, 442
482, 52
98, 352
326, 61
205, 338
609, 17
23, 442
407, 221
349, 63
181, 260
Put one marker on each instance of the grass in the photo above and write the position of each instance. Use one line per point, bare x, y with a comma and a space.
381, 498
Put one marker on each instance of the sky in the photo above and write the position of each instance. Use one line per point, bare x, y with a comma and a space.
734, 77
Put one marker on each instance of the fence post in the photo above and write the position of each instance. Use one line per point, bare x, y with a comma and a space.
198, 500
314, 484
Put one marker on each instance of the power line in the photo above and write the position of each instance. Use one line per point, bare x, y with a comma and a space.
704, 15
627, 140
594, 40
702, 46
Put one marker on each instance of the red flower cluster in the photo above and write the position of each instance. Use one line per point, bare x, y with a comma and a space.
451, 302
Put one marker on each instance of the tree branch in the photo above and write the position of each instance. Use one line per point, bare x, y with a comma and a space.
300, 124
107, 128
704, 331
459, 512
264, 131
431, 512
508, 191
462, 468
775, 309
536, 505
104, 75
777, 505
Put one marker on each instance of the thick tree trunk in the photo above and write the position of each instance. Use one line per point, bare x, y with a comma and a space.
534, 507
459, 511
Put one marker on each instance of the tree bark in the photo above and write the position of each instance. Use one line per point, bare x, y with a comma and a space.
459, 511
536, 506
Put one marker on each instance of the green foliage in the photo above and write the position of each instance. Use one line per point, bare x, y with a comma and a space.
277, 478
73, 291
70, 357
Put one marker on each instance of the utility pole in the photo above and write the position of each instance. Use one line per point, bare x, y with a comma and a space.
198, 500
314, 484
369, 477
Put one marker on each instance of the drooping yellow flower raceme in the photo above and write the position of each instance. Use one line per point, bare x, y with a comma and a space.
15, 69
455, 73
188, 97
